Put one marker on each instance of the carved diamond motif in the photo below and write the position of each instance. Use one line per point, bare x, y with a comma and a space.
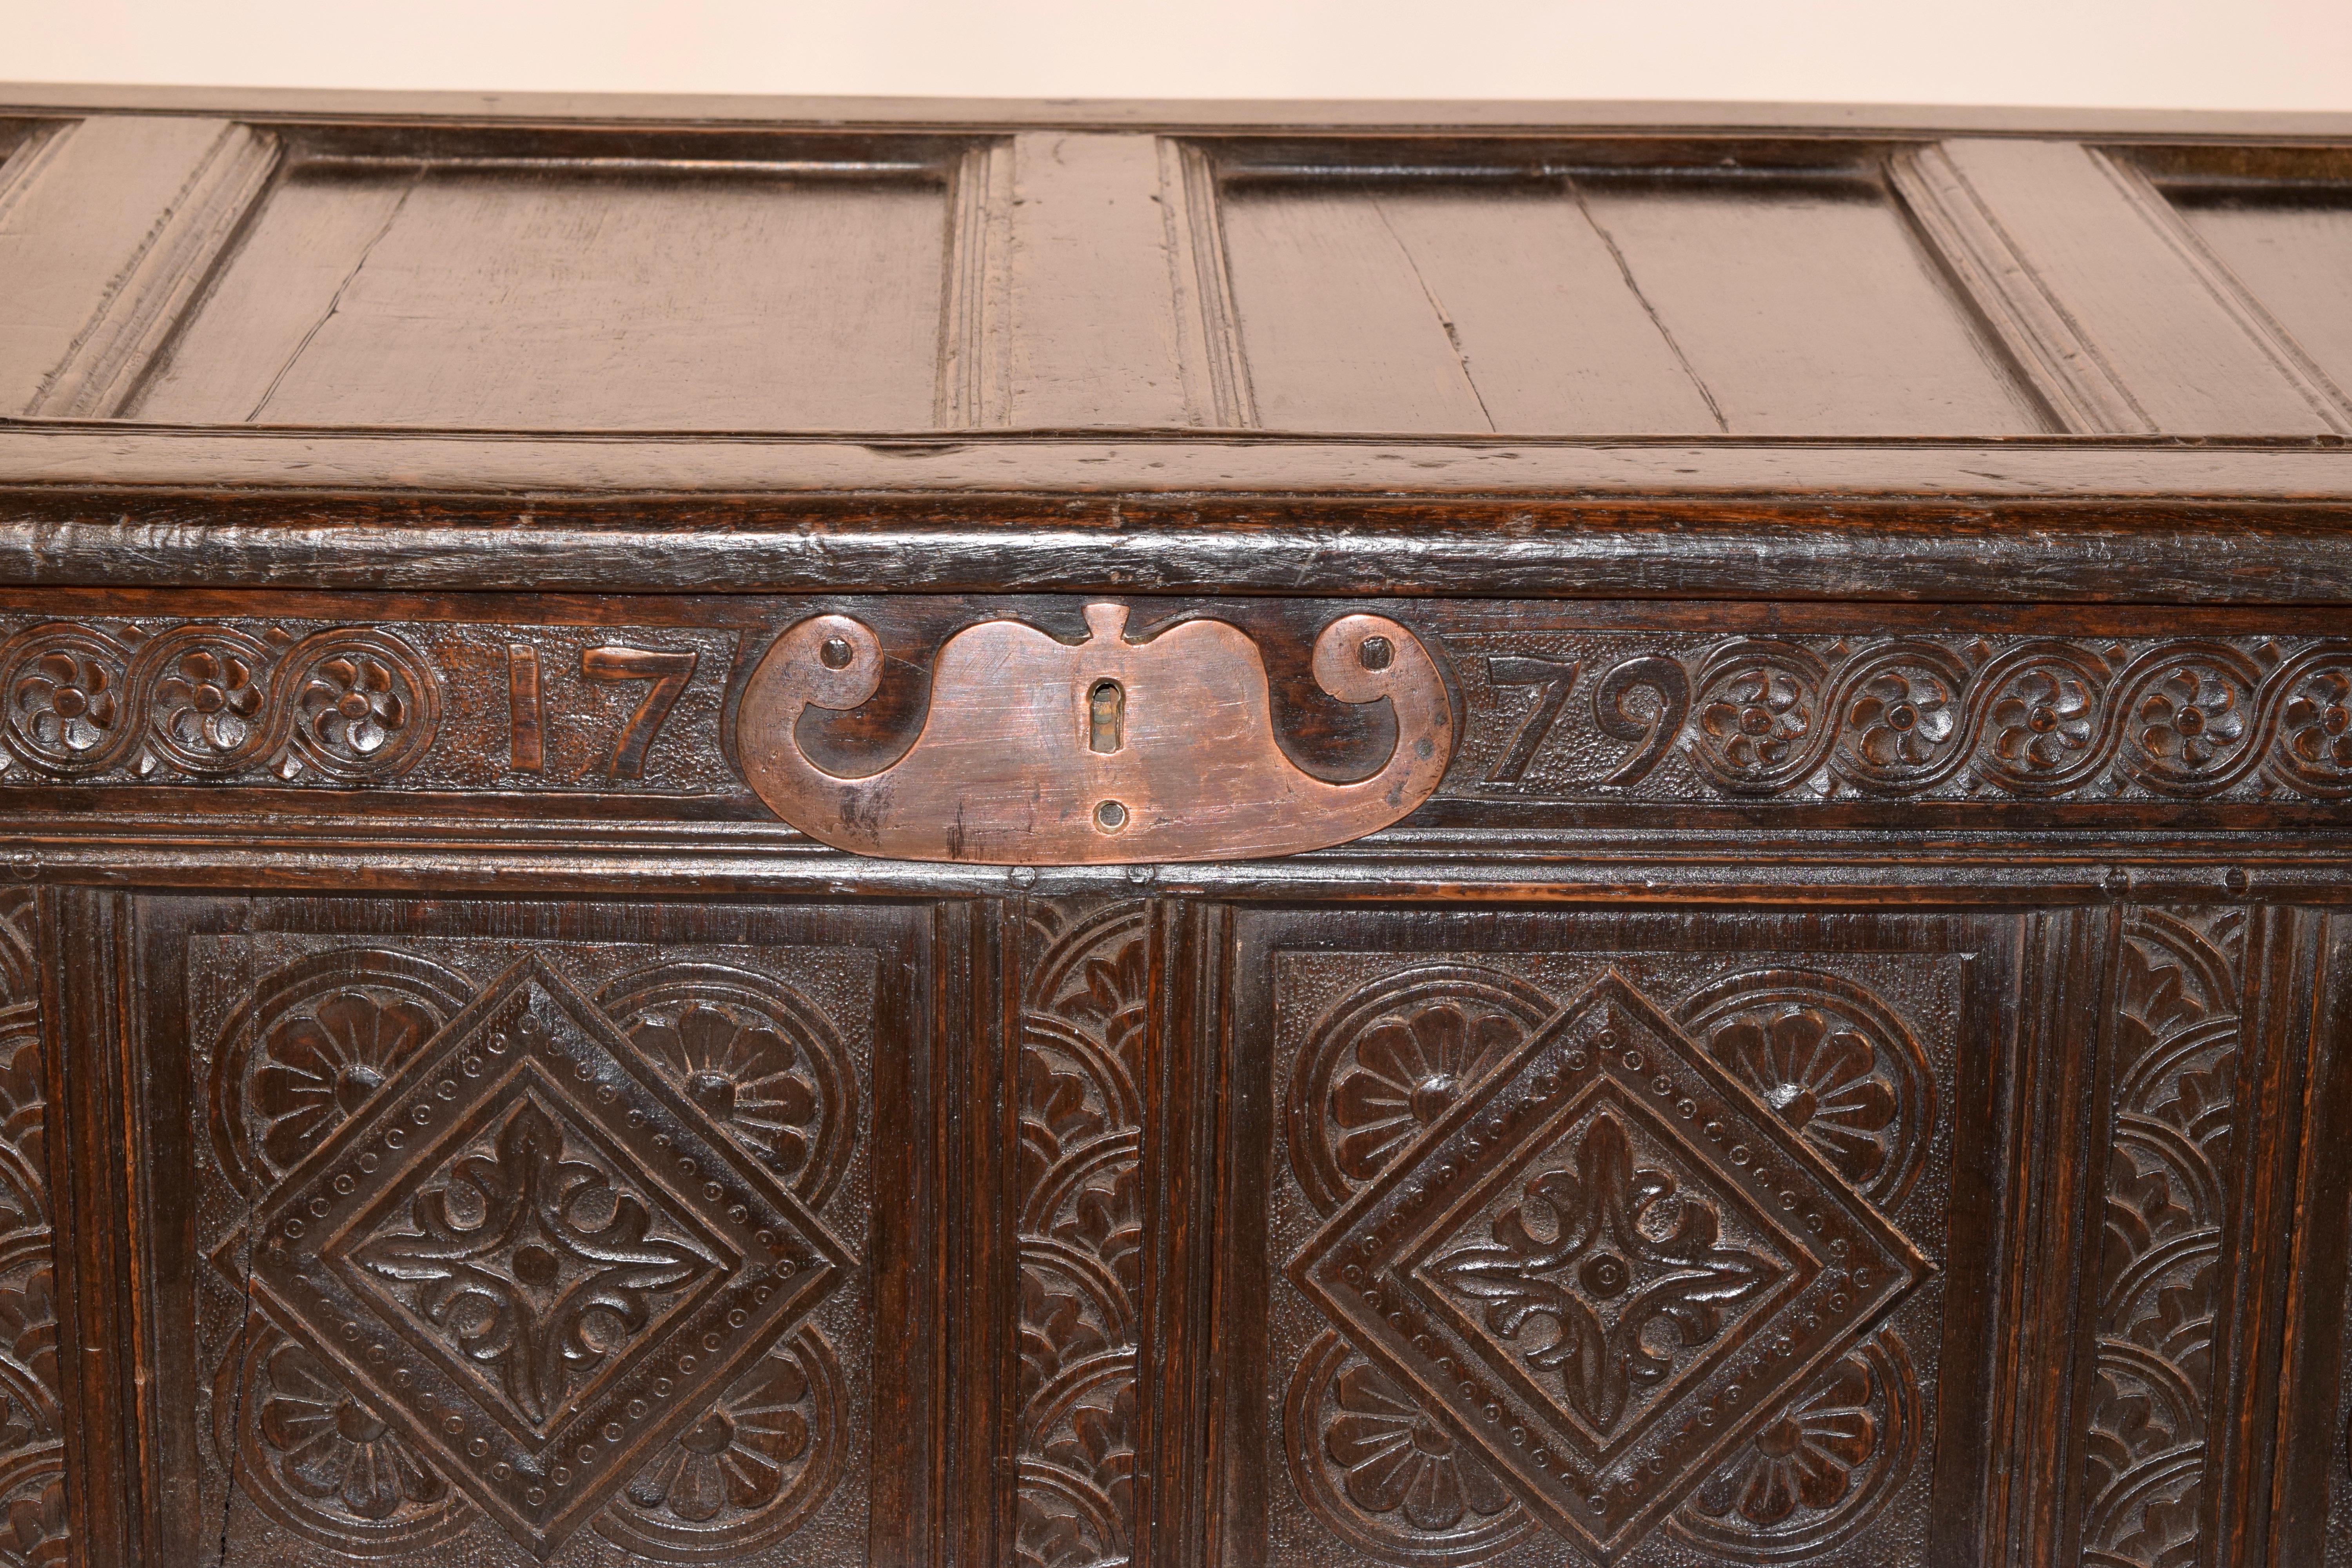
536, 1256
1606, 1266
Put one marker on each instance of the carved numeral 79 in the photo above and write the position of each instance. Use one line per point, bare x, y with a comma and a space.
669, 672
1554, 680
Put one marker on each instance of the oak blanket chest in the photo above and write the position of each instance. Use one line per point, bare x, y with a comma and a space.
801, 832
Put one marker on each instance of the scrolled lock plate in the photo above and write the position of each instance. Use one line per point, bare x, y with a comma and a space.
1041, 752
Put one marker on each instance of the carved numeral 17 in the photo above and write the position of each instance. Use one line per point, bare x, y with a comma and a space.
668, 671
1554, 679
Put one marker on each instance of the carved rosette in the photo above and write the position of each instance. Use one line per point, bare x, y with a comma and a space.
2312, 748
1085, 1016
33, 1522
529, 1319
2175, 1083
1942, 717
67, 708
1382, 1067
1836, 1064
1812, 1477
1390, 1481
346, 705
1759, 716
761, 1062
1620, 1272
750, 1472
322, 1460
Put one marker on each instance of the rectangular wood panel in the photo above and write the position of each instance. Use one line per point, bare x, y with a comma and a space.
1605, 305
2092, 237
533, 1232
2294, 255
1684, 1267
554, 298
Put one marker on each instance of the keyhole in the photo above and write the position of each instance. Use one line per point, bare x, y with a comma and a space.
1106, 716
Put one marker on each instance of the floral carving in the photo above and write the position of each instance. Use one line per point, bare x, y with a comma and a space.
749, 1472
1946, 717
1409, 1066
1384, 1474
1385, 1064
1629, 1271
209, 704
333, 1448
67, 702
1610, 1245
2315, 745
1759, 719
1819, 1078
320, 1065
1815, 1473
533, 1262
2043, 720
1903, 718
1396, 1459
312, 1044
320, 1461
741, 1071
2191, 717
756, 1058
351, 705
1833, 1062
211, 699
67, 708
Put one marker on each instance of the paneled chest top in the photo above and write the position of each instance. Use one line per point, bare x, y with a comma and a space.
765, 832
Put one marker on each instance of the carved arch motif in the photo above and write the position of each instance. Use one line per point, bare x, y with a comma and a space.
1085, 1020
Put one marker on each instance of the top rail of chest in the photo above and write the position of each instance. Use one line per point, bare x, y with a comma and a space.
978, 314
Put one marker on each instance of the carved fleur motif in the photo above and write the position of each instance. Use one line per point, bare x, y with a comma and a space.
351, 705
1820, 1075
741, 1072
1902, 717
1409, 1066
1631, 1274
1759, 716
209, 700
534, 1264
1396, 1459
331, 1449
318, 1067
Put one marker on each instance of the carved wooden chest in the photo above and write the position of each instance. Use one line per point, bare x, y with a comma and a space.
762, 833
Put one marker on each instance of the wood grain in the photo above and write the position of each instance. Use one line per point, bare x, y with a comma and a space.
1838, 1049
83, 210
2187, 364
433, 295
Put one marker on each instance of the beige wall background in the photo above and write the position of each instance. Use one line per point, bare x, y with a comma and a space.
2214, 54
